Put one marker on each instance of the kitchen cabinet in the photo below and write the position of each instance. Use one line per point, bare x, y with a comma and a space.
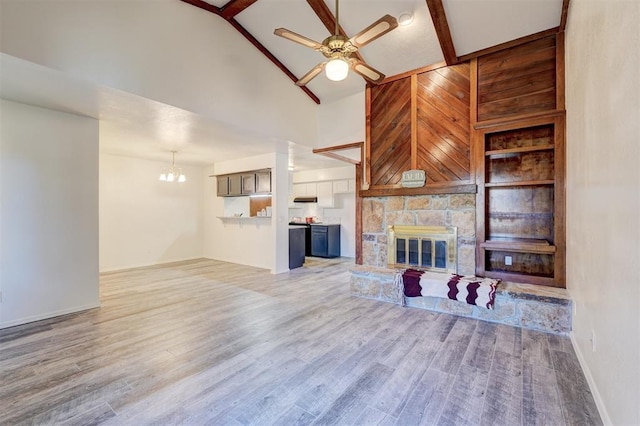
296, 246
325, 194
345, 186
223, 186
325, 240
305, 190
235, 185
248, 183
263, 182
244, 183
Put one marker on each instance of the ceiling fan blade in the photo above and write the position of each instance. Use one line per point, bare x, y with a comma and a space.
373, 31
311, 74
290, 35
369, 73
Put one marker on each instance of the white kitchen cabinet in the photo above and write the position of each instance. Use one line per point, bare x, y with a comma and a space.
305, 190
340, 186
325, 194
345, 186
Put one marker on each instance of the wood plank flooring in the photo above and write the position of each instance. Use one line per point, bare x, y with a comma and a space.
208, 342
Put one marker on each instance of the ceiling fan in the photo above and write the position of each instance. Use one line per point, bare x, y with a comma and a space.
339, 50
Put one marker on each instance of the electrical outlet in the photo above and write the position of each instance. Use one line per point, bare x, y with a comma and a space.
508, 260
593, 340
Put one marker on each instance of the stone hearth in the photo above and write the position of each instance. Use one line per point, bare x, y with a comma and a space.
529, 306
523, 305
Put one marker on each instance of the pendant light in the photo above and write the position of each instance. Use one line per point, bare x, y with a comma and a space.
173, 174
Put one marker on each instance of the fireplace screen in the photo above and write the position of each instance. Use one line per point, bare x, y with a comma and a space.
423, 247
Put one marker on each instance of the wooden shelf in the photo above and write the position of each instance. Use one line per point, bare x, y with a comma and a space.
519, 245
521, 183
518, 150
522, 278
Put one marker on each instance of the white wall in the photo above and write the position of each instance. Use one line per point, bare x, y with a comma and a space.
165, 50
603, 199
48, 213
263, 243
342, 121
144, 221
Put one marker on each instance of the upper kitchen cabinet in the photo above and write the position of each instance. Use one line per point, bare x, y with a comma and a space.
245, 183
325, 194
235, 185
305, 189
263, 182
345, 186
248, 183
223, 186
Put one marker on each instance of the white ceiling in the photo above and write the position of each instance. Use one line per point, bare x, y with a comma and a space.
135, 126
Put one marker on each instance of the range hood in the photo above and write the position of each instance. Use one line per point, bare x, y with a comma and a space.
305, 200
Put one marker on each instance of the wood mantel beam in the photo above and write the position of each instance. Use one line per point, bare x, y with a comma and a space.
439, 18
234, 7
219, 11
322, 10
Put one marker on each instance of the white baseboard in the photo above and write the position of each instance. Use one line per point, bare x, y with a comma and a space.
144, 265
48, 315
602, 409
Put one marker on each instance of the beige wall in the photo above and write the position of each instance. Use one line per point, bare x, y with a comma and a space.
603, 199
144, 221
48, 213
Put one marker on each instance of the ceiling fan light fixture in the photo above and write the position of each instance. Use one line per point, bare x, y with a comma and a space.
337, 69
405, 19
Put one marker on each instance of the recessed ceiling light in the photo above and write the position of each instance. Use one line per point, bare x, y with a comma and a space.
405, 19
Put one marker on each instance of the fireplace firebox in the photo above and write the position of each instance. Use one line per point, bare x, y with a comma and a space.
423, 247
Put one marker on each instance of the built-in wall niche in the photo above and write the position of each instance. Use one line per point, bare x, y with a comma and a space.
260, 205
520, 201
245, 207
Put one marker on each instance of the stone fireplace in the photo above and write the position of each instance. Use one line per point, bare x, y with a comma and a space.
524, 305
451, 210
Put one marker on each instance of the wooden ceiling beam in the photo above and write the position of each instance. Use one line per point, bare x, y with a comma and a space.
204, 5
237, 5
322, 10
563, 15
439, 18
231, 9
332, 152
272, 58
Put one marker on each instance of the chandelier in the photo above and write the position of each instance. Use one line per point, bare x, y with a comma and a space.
173, 174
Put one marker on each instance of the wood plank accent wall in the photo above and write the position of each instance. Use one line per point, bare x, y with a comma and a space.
493, 126
443, 124
390, 145
516, 81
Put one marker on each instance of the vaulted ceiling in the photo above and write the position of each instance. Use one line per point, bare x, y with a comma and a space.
441, 31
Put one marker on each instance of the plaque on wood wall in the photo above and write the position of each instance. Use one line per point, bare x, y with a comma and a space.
414, 178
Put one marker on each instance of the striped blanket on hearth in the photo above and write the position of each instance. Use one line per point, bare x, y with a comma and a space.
470, 289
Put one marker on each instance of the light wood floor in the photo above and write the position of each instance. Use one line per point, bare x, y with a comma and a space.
207, 342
